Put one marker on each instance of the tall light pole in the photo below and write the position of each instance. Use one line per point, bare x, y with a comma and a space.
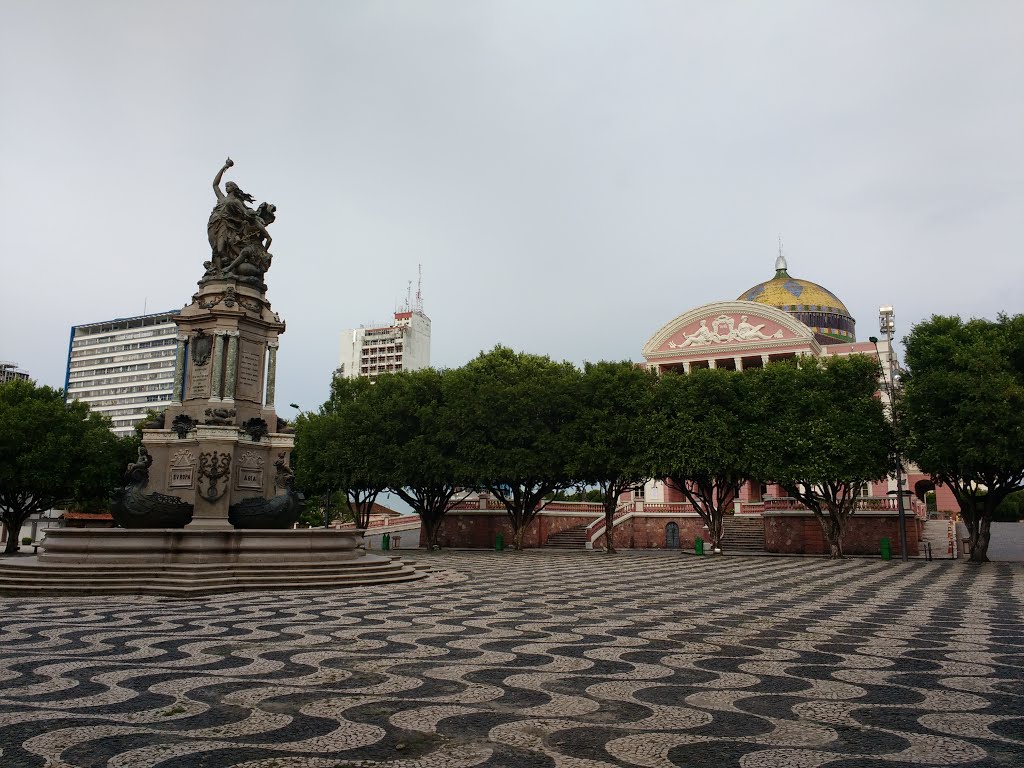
887, 326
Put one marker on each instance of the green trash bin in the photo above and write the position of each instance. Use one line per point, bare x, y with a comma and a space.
499, 543
886, 549
698, 545
385, 541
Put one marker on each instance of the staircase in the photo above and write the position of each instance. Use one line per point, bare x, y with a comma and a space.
32, 578
936, 533
570, 538
743, 534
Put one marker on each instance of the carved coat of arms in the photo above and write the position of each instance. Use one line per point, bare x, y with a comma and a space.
202, 346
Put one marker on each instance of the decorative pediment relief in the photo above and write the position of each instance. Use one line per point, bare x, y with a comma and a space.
722, 330
733, 323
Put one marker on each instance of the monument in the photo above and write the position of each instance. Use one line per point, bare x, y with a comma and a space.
218, 459
209, 505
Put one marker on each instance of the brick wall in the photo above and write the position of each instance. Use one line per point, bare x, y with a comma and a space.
478, 530
648, 532
802, 534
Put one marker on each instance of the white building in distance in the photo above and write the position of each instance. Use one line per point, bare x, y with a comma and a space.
11, 372
403, 345
123, 367
370, 350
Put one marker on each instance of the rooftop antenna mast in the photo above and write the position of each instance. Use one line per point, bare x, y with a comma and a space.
408, 297
419, 290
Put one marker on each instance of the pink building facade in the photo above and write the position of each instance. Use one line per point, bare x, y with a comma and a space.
782, 318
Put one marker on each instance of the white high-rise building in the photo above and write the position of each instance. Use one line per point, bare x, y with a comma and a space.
123, 367
403, 345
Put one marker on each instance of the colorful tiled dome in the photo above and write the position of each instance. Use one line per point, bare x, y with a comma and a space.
808, 302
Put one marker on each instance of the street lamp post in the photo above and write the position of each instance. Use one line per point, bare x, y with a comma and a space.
887, 326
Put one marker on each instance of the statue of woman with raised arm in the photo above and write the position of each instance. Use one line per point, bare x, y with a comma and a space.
238, 235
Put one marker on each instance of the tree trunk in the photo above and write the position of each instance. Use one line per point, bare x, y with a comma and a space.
833, 531
433, 530
980, 534
12, 521
517, 536
716, 530
11, 548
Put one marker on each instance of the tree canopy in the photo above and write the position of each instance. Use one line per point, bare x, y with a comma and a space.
339, 449
515, 412
611, 433
704, 419
962, 413
420, 432
53, 453
822, 433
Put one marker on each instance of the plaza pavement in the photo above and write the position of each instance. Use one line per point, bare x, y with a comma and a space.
571, 660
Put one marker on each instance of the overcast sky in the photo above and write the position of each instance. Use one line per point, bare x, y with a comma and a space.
571, 175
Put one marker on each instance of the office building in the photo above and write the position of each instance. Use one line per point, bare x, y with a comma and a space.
402, 345
124, 367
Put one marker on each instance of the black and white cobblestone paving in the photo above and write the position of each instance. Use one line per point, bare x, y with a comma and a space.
534, 659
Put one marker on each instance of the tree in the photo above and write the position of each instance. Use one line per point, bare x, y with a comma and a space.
962, 413
339, 448
822, 434
701, 447
611, 432
514, 412
52, 453
420, 435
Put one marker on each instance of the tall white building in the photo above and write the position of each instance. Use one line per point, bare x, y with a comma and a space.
123, 367
403, 345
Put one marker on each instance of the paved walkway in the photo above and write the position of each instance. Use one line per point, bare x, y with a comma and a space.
534, 659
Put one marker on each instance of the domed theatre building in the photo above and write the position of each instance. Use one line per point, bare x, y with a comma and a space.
782, 318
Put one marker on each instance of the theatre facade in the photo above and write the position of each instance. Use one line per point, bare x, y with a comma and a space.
779, 319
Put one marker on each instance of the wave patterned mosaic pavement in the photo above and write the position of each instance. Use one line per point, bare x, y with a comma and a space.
567, 660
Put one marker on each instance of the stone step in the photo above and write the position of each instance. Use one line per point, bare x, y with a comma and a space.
743, 534
570, 538
177, 589
182, 579
203, 570
155, 577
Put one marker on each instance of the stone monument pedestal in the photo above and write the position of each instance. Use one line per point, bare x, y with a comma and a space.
146, 546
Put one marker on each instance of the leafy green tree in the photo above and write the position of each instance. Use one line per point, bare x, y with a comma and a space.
420, 434
514, 413
52, 453
701, 447
339, 448
822, 434
962, 413
1012, 508
611, 432
322, 509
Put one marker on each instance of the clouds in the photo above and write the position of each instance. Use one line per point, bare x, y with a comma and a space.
570, 175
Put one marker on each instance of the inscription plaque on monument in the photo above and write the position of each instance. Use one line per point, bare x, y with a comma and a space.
182, 477
198, 381
181, 473
250, 372
250, 478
